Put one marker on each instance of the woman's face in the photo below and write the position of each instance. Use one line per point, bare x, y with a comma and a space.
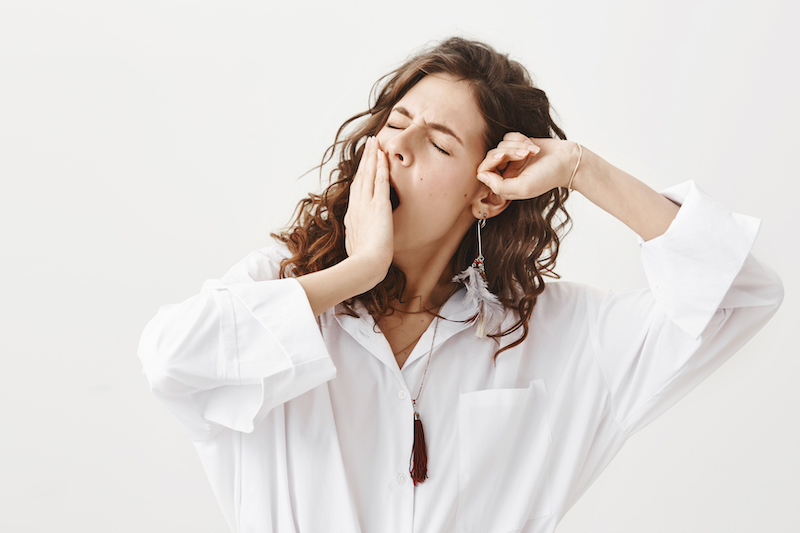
434, 141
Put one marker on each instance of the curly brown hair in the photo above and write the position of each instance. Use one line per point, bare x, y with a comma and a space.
521, 244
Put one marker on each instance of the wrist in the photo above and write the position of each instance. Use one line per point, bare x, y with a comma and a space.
365, 272
342, 281
572, 162
586, 168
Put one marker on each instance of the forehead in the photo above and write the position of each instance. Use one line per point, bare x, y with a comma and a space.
444, 99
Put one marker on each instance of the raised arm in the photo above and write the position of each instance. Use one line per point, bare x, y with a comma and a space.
642, 209
706, 297
525, 168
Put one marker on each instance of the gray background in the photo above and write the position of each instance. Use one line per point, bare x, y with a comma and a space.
146, 146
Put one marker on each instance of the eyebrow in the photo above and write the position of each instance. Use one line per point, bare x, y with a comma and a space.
432, 125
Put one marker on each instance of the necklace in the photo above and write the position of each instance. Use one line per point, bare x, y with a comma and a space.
418, 467
409, 344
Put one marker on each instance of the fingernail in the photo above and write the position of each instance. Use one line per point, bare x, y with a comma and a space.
534, 149
521, 152
498, 155
482, 177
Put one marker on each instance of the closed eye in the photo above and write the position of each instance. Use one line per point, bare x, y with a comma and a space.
393, 127
440, 149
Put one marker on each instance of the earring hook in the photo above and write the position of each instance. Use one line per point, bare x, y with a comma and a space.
481, 224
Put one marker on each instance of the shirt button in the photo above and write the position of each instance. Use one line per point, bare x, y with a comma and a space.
402, 394
402, 478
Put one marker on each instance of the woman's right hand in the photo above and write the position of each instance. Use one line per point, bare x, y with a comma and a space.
368, 221
368, 237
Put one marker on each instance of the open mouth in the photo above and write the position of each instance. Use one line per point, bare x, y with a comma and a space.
393, 197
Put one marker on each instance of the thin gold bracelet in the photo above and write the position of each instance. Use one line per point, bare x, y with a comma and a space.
580, 154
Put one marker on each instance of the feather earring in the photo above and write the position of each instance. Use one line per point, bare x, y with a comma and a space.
490, 311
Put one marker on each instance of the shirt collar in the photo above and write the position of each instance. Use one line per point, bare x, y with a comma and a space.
456, 314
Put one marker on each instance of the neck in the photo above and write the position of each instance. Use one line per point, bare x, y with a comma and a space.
428, 268
428, 280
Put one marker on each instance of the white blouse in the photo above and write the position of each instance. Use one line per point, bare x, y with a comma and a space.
306, 425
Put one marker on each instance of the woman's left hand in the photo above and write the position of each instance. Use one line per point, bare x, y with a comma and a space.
519, 168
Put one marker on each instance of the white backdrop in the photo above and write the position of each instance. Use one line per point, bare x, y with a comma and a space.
146, 146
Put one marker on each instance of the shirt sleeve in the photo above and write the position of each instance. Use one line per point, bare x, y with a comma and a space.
707, 297
245, 344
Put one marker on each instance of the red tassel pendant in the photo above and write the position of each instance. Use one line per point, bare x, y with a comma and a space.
419, 454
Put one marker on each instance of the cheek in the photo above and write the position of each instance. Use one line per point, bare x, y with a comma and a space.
446, 195
459, 184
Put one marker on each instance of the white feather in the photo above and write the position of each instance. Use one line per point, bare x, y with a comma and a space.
490, 311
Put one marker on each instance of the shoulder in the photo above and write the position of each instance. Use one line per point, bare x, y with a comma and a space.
580, 300
564, 305
561, 304
565, 296
260, 265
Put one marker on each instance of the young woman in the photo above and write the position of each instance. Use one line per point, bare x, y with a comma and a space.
398, 363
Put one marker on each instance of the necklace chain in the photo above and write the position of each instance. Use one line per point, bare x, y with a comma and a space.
409, 344
425, 373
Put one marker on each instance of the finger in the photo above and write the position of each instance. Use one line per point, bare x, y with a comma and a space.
522, 149
370, 165
514, 168
500, 186
526, 145
356, 185
514, 136
490, 162
517, 137
362, 170
362, 161
381, 191
499, 156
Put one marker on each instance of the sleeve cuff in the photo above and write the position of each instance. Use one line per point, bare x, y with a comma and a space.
239, 408
281, 308
691, 266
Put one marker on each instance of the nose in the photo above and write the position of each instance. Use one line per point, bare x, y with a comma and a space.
400, 148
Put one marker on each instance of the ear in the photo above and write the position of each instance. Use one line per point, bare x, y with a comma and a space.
487, 204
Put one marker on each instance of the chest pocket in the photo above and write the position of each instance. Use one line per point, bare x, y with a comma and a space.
504, 446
